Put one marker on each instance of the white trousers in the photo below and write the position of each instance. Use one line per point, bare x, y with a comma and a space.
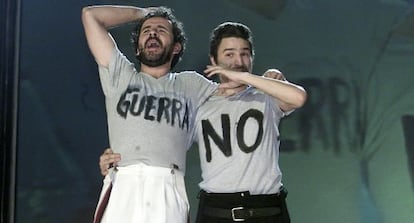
145, 194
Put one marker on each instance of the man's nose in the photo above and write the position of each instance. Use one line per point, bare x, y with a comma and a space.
153, 33
238, 60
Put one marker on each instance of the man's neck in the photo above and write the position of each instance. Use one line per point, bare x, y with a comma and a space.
156, 72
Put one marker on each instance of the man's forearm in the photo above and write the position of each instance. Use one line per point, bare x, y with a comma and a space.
111, 16
293, 96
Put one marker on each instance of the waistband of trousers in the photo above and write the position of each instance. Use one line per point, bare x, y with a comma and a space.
244, 195
144, 169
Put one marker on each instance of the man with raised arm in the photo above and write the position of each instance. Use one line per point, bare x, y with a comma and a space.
150, 114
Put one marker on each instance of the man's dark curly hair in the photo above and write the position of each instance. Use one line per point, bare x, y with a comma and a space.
226, 30
178, 30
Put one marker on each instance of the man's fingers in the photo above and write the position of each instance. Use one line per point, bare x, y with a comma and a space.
274, 74
104, 172
107, 159
108, 151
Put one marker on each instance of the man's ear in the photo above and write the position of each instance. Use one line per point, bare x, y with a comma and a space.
177, 48
212, 61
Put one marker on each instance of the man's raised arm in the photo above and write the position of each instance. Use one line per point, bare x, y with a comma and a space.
289, 95
97, 20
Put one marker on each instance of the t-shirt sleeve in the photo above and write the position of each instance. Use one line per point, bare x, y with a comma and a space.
273, 104
117, 74
276, 107
201, 88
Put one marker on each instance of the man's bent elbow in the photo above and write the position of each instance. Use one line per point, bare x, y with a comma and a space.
301, 98
86, 12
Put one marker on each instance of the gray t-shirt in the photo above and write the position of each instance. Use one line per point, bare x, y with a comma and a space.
238, 139
150, 120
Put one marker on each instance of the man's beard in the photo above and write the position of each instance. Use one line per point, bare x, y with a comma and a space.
155, 60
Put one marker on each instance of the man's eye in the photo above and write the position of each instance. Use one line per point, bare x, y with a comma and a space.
246, 54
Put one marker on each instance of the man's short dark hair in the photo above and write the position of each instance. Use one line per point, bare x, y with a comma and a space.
226, 30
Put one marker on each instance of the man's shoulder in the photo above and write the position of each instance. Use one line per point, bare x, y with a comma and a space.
189, 75
186, 73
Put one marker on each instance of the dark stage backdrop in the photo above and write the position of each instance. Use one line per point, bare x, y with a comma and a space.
344, 156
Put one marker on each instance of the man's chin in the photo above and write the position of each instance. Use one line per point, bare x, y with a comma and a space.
153, 52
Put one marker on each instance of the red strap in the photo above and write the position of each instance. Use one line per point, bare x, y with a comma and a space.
102, 206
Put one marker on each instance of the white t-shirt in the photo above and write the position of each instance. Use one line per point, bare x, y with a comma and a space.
150, 120
248, 159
